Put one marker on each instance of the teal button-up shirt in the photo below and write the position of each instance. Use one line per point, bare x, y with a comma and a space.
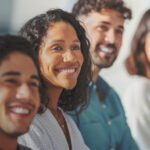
103, 124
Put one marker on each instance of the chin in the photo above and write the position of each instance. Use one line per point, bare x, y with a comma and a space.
15, 133
70, 86
21, 130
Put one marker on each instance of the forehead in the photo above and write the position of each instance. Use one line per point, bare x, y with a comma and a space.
113, 17
61, 30
18, 62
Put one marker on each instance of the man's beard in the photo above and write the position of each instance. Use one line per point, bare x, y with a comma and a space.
104, 62
105, 65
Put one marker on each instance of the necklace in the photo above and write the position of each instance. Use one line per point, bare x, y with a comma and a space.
61, 121
59, 117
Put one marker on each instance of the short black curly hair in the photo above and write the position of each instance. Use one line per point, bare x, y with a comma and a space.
84, 7
13, 43
36, 29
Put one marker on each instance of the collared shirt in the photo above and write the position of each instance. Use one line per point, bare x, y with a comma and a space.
103, 124
46, 134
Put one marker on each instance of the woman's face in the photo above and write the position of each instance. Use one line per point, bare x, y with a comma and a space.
60, 56
147, 46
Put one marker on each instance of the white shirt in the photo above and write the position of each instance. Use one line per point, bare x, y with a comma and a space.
136, 101
46, 134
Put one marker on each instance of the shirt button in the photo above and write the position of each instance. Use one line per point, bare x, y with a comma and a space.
109, 122
104, 106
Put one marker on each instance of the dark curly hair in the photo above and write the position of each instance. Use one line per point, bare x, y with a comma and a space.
84, 7
137, 60
13, 43
36, 29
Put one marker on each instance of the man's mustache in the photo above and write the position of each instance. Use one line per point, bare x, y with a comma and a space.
112, 46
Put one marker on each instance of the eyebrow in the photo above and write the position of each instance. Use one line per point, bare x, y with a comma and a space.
107, 23
63, 41
57, 41
76, 41
13, 73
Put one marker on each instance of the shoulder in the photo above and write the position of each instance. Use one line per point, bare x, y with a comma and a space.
140, 87
71, 124
104, 86
39, 131
69, 120
40, 121
100, 81
77, 139
106, 90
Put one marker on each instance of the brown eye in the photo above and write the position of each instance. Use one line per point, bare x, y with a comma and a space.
76, 47
57, 48
34, 84
11, 81
102, 27
119, 32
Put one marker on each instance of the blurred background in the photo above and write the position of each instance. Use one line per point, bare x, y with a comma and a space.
14, 13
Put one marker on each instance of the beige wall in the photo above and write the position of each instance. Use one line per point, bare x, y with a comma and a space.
23, 10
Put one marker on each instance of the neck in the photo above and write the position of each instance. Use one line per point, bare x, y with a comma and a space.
95, 72
7, 143
53, 94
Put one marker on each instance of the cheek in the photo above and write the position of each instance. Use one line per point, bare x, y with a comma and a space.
4, 93
118, 42
80, 58
37, 101
46, 63
148, 53
147, 48
36, 94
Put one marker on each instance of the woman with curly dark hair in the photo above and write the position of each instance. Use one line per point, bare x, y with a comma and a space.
137, 97
63, 53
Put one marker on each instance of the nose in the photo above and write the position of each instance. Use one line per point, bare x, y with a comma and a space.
23, 92
69, 56
110, 37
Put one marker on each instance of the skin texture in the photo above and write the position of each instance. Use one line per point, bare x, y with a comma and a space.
147, 46
59, 52
104, 30
19, 96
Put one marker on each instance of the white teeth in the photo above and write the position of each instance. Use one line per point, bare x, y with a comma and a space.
68, 70
106, 50
20, 110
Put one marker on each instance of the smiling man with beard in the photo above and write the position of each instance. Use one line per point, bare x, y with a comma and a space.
103, 123
19, 90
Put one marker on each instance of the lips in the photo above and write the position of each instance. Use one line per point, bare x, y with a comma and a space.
20, 108
106, 49
67, 70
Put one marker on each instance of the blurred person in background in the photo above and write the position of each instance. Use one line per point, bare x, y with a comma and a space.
103, 123
63, 53
136, 99
19, 90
